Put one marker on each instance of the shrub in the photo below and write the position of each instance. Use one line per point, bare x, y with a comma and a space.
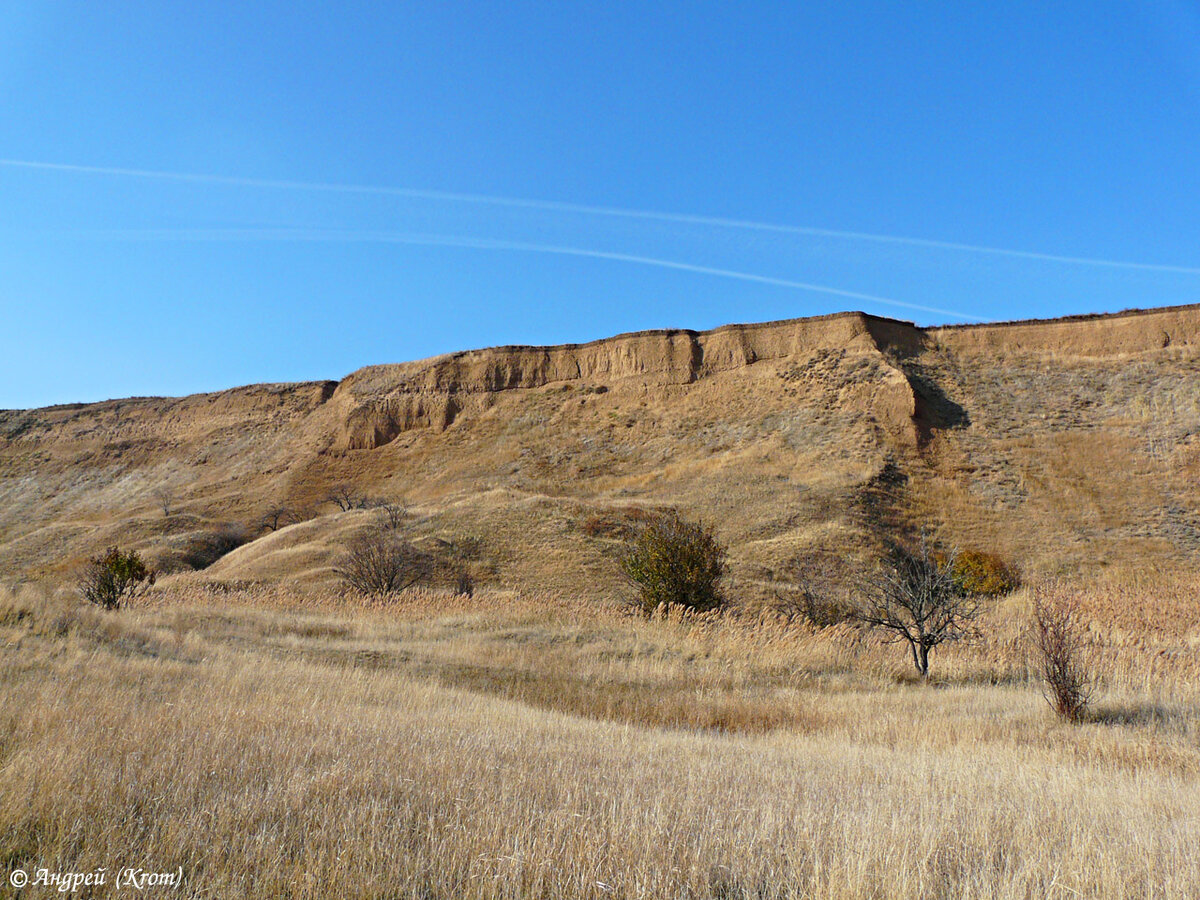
465, 547
464, 583
394, 512
674, 561
114, 577
346, 497
1061, 653
378, 563
813, 589
984, 574
818, 609
618, 524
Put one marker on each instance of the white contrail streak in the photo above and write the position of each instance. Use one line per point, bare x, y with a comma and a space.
439, 240
616, 212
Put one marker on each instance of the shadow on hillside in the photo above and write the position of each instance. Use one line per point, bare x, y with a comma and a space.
935, 410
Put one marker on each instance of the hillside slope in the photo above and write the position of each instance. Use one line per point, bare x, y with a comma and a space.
1061, 444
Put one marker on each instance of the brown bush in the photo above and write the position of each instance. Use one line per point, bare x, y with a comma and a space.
620, 524
817, 608
1061, 652
378, 563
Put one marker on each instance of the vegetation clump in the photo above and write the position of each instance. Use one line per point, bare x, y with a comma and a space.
984, 574
114, 577
818, 608
379, 563
1062, 654
674, 561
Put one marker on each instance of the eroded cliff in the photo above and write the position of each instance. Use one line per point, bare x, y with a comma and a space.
1050, 441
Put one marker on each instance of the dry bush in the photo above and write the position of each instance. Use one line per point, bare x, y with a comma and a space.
814, 591
394, 512
601, 526
464, 547
817, 608
378, 563
346, 497
165, 498
1061, 652
620, 524
674, 561
464, 583
277, 517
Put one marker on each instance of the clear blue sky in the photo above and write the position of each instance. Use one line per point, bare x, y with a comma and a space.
1065, 129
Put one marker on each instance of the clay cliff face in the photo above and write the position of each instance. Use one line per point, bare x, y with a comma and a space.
376, 404
1053, 442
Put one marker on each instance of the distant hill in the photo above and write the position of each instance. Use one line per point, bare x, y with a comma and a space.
1062, 444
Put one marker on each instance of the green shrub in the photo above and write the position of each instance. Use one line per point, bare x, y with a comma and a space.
114, 577
984, 574
674, 561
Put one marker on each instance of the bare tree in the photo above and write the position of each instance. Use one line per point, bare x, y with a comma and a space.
916, 599
276, 517
394, 513
378, 563
345, 497
165, 497
1061, 653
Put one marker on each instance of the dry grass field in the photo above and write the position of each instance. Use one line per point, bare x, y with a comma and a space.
271, 743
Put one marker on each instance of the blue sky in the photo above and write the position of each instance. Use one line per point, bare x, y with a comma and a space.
1064, 131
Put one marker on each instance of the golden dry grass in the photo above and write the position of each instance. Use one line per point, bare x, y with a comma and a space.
278, 745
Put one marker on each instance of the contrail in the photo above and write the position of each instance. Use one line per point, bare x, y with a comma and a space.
440, 240
610, 211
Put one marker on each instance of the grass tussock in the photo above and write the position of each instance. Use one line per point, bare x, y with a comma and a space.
508, 746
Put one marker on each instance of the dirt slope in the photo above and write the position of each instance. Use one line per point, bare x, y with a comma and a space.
1060, 443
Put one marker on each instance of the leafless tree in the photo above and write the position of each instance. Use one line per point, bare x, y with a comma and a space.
1061, 652
165, 497
378, 563
346, 497
277, 516
915, 599
394, 513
